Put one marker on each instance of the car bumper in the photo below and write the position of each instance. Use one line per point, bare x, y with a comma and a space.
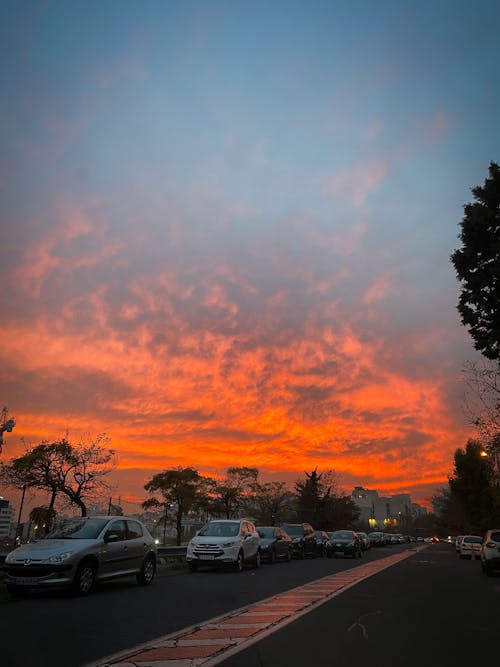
62, 575
222, 556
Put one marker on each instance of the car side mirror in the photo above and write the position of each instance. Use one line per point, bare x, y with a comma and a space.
111, 538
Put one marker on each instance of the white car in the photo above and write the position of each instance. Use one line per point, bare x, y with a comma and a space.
490, 551
470, 546
229, 542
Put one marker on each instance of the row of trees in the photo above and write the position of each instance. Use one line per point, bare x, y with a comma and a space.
471, 500
77, 474
315, 499
470, 504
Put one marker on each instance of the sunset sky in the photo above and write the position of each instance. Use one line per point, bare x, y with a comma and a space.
226, 231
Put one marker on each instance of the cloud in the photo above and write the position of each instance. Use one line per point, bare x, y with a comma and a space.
354, 185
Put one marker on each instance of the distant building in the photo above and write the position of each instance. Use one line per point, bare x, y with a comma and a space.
382, 512
6, 519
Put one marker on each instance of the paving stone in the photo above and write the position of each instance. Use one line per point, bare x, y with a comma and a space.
222, 633
172, 652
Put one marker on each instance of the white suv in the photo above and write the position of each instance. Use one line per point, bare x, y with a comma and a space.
232, 542
490, 551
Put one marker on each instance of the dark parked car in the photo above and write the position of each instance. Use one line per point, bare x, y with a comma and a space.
275, 544
345, 543
303, 539
365, 540
322, 541
377, 539
82, 552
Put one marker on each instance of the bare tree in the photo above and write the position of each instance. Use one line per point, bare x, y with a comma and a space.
482, 398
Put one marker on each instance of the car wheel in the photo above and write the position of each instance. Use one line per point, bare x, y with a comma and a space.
238, 566
256, 562
84, 579
148, 571
193, 567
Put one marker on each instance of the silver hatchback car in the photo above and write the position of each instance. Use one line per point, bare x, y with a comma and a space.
81, 552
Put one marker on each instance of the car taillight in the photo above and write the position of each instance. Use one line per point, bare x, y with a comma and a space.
490, 545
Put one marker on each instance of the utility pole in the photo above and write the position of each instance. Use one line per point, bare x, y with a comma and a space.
20, 513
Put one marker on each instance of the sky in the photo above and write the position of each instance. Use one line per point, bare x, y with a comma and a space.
227, 228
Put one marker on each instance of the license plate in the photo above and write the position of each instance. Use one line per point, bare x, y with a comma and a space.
22, 581
206, 557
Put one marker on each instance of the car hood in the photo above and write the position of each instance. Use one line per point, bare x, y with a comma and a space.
47, 548
199, 539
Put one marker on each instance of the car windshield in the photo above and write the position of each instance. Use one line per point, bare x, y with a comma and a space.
79, 529
495, 537
265, 532
342, 535
474, 540
291, 529
220, 529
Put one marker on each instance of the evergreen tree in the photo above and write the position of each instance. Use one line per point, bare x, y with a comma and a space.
477, 265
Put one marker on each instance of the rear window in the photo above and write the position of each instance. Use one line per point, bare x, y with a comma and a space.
473, 540
495, 536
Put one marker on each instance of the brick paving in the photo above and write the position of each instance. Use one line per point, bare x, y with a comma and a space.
214, 640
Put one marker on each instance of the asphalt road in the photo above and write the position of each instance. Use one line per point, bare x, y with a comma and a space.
429, 600
432, 609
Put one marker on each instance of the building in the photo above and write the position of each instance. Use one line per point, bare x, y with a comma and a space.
381, 512
6, 520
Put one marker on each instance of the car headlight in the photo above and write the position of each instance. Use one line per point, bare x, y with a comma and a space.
58, 558
230, 544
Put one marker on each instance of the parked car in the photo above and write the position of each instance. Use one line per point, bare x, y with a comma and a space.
345, 543
377, 538
81, 552
303, 539
470, 546
275, 544
322, 540
490, 551
365, 540
225, 542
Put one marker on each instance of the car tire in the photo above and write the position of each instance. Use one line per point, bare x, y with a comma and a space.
238, 565
84, 579
148, 571
193, 567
